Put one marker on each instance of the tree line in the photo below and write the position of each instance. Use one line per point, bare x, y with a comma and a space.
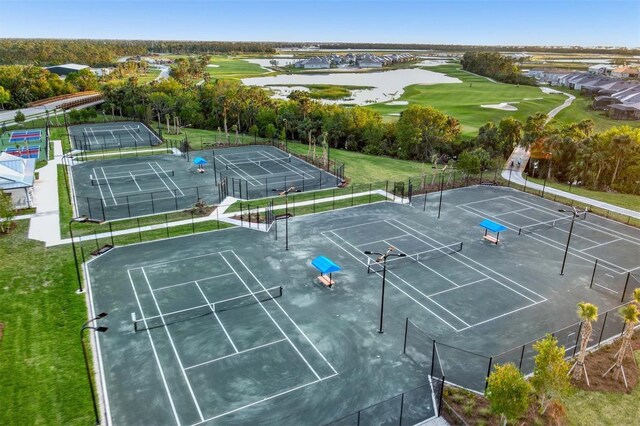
496, 66
102, 53
573, 152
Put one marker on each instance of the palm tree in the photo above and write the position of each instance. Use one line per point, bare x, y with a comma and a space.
587, 313
630, 315
636, 297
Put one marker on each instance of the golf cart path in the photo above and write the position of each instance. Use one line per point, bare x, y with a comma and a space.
515, 175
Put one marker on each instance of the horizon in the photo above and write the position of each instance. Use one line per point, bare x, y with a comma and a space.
565, 23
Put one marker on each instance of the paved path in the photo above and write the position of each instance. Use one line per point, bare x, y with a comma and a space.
515, 175
565, 104
45, 223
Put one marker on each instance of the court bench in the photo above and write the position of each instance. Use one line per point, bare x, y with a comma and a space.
326, 281
491, 238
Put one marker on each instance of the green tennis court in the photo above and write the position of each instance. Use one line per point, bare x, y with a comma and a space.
228, 327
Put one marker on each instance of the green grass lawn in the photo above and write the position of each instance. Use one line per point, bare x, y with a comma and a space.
603, 408
463, 100
233, 67
42, 376
149, 76
628, 201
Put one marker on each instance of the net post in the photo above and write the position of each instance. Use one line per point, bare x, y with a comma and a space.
626, 283
593, 275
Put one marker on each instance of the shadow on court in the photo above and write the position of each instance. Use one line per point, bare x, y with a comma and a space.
217, 342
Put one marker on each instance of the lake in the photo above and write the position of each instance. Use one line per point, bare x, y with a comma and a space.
385, 85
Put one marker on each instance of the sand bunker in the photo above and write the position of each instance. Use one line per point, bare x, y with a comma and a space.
395, 114
398, 103
533, 99
504, 106
213, 66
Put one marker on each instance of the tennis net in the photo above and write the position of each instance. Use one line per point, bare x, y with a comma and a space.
201, 311
129, 177
116, 131
238, 165
549, 224
376, 266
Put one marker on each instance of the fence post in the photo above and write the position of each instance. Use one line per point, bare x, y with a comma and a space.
406, 328
575, 347
401, 407
433, 356
441, 396
593, 275
351, 196
486, 383
111, 233
139, 230
522, 356
370, 186
604, 323
626, 283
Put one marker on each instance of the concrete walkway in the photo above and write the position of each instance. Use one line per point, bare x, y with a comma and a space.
515, 175
45, 223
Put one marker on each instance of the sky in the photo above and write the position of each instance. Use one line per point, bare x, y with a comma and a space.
478, 22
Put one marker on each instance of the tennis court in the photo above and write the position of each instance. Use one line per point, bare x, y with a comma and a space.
264, 171
229, 328
129, 187
25, 143
106, 136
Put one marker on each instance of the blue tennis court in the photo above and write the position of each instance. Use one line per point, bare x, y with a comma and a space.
19, 136
32, 151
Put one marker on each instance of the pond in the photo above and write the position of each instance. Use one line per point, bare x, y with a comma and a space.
380, 86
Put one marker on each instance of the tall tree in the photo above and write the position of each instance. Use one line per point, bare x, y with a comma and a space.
630, 316
510, 131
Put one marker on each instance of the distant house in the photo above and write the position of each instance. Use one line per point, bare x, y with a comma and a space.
66, 69
370, 61
16, 178
601, 69
314, 63
625, 72
625, 111
604, 102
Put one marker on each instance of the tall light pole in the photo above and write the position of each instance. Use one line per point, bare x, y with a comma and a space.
383, 258
87, 326
574, 213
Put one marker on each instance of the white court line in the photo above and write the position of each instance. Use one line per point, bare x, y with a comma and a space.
589, 225
356, 226
478, 271
601, 244
503, 315
216, 316
381, 241
265, 399
271, 317
155, 353
457, 287
513, 211
109, 186
486, 199
163, 171
556, 245
95, 175
388, 280
237, 353
245, 176
175, 350
537, 222
134, 181
289, 166
190, 282
286, 314
429, 268
185, 258
413, 287
166, 175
